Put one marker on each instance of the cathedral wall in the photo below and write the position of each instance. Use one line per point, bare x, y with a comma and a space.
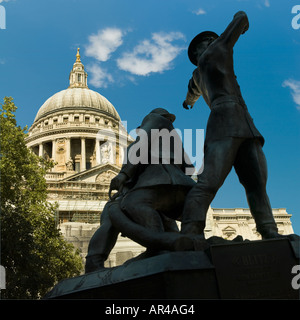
225, 223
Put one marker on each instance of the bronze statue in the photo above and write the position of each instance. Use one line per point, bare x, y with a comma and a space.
153, 195
232, 140
159, 185
150, 197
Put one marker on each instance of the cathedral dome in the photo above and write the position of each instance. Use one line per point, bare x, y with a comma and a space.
77, 96
77, 128
72, 98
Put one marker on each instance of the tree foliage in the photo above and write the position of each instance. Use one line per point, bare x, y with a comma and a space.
33, 252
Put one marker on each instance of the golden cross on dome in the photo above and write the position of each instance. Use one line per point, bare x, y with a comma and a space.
78, 55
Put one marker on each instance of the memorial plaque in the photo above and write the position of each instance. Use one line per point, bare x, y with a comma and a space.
255, 270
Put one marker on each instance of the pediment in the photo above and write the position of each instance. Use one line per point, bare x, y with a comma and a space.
229, 228
102, 173
105, 176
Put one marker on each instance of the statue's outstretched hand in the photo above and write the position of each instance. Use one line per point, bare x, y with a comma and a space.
243, 14
117, 183
246, 28
186, 105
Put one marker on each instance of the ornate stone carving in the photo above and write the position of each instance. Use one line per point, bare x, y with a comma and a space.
69, 165
105, 177
229, 233
105, 153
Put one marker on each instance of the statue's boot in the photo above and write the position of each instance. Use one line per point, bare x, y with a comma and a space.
200, 243
271, 235
271, 232
193, 227
268, 231
94, 262
183, 243
275, 235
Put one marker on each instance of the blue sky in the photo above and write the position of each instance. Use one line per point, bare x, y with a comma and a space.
135, 55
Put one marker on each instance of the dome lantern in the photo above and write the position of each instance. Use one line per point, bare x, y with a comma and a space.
78, 76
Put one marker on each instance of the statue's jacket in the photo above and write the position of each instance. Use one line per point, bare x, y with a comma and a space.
159, 169
229, 115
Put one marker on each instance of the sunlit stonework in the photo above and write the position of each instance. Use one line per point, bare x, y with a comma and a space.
81, 131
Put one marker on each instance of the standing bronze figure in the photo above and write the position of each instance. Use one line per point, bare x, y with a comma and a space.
232, 140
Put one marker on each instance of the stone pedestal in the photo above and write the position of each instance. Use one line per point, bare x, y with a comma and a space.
255, 270
245, 270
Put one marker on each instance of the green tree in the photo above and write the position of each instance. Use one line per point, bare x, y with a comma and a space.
33, 251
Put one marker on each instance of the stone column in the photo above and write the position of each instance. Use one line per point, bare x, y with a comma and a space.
122, 151
41, 150
68, 149
112, 152
54, 150
83, 156
113, 260
97, 151
77, 163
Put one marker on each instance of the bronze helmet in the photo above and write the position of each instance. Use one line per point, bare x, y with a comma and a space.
165, 113
192, 52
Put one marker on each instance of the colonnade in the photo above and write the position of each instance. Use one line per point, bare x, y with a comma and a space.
75, 149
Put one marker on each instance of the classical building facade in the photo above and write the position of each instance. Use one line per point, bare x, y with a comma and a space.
81, 131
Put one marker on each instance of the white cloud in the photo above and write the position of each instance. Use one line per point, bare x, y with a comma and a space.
98, 76
105, 42
267, 3
199, 11
294, 85
155, 55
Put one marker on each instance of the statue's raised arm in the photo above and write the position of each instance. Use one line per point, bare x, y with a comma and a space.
239, 25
